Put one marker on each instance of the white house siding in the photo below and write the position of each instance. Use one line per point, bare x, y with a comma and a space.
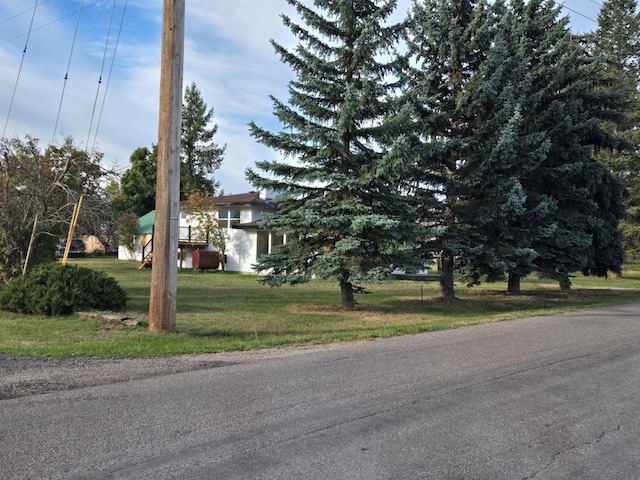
241, 250
125, 254
242, 243
242, 246
136, 254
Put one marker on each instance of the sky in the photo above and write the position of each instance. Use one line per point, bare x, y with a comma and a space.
109, 53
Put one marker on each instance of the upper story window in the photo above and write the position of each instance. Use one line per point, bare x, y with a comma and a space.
229, 217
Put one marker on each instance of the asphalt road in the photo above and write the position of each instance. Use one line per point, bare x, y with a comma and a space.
543, 398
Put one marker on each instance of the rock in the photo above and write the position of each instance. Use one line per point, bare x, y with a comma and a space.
110, 317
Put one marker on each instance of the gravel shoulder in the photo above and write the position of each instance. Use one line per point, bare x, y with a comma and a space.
25, 376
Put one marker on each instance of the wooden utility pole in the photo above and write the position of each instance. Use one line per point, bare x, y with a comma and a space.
164, 270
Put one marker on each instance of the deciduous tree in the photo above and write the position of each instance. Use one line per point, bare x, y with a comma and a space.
38, 191
199, 207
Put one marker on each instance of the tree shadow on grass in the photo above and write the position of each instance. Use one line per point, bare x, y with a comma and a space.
485, 301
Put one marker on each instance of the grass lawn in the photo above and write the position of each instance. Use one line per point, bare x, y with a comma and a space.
225, 311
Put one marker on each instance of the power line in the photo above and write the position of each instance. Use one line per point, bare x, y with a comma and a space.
83, 5
21, 13
104, 56
46, 24
66, 75
106, 88
24, 52
577, 12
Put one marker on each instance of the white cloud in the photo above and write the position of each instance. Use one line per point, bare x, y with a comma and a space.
227, 54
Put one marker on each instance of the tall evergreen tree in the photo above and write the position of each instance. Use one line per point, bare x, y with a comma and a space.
342, 205
561, 100
201, 156
136, 192
515, 103
617, 42
571, 104
505, 218
618, 39
448, 41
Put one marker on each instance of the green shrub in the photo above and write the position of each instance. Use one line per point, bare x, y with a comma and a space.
56, 289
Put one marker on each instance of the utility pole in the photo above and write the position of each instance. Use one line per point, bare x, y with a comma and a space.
164, 270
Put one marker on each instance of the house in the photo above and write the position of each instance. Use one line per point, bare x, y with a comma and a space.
238, 215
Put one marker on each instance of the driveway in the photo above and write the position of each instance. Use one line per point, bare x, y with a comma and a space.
544, 398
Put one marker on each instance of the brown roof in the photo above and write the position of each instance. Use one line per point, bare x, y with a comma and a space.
250, 198
238, 199
248, 225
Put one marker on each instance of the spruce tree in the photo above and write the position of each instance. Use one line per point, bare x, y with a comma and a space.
201, 156
514, 103
504, 218
342, 203
448, 41
617, 42
136, 192
570, 101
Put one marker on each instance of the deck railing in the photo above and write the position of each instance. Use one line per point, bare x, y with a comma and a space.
186, 234
191, 235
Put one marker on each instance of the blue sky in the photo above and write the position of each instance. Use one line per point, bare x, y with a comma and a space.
227, 54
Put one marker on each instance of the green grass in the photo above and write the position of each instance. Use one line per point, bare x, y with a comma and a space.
225, 311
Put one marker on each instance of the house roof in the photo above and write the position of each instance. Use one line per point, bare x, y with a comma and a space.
248, 225
146, 222
250, 198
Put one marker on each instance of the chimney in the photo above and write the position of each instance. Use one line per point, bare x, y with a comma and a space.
265, 194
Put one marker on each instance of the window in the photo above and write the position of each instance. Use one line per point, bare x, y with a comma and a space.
266, 241
262, 244
228, 217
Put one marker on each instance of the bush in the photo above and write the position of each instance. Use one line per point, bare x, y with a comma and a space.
56, 289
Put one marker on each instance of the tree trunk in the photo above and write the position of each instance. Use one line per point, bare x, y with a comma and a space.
348, 302
565, 284
514, 284
446, 278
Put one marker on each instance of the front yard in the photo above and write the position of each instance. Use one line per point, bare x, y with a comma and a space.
226, 311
